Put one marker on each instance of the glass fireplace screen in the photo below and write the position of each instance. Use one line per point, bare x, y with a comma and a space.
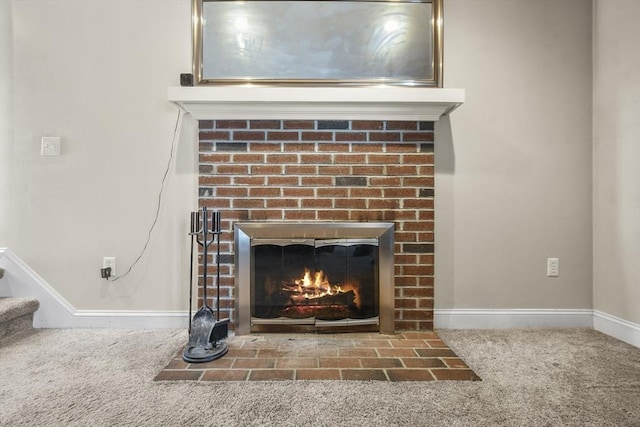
307, 281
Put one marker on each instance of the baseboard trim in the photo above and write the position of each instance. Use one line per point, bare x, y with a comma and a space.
512, 318
129, 319
616, 327
56, 312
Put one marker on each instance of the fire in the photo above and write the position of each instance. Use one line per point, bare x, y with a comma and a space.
317, 285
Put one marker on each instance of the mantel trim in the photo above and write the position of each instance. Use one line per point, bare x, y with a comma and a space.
252, 102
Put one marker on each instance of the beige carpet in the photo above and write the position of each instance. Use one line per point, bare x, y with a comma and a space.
530, 378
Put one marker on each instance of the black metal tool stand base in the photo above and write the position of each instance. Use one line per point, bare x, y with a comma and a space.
194, 354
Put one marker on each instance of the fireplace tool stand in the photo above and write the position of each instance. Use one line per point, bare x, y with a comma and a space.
206, 330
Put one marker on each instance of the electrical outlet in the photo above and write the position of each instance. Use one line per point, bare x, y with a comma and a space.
553, 267
110, 261
50, 146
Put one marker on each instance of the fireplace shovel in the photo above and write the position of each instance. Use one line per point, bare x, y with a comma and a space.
206, 335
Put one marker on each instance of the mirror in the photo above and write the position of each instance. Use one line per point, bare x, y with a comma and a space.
318, 42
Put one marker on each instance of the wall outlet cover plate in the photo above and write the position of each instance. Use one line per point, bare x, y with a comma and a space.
50, 146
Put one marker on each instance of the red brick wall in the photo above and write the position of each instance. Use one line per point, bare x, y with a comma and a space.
271, 170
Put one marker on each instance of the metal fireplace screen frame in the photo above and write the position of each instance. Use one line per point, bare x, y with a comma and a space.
382, 231
315, 282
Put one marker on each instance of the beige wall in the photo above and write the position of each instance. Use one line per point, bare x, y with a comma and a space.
616, 156
6, 66
96, 73
514, 186
513, 182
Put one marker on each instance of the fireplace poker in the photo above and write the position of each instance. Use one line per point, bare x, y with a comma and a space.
217, 230
195, 229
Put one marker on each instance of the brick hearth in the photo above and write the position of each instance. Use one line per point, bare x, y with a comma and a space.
321, 170
410, 356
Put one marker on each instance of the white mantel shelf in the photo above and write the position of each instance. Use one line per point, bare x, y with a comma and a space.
249, 102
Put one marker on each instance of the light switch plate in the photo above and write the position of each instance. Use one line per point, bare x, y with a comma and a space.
51, 146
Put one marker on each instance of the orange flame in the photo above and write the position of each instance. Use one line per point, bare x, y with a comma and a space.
319, 286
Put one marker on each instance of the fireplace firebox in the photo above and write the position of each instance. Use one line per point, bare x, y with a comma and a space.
306, 281
314, 276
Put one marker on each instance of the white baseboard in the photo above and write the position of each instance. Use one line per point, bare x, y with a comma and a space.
621, 329
119, 319
512, 318
55, 311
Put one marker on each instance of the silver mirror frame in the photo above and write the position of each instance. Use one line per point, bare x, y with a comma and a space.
437, 59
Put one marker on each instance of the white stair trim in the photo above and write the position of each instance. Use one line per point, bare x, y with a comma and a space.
55, 311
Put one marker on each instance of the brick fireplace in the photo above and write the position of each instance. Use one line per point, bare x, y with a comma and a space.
296, 170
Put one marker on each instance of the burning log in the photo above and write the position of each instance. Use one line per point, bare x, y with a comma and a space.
341, 299
310, 296
329, 312
303, 295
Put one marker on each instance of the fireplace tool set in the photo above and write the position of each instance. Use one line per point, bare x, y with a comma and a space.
206, 330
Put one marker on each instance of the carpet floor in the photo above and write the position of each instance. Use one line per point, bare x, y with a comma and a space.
567, 377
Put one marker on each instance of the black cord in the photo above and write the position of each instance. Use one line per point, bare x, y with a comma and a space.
160, 194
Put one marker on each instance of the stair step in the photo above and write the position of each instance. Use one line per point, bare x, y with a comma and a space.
16, 315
